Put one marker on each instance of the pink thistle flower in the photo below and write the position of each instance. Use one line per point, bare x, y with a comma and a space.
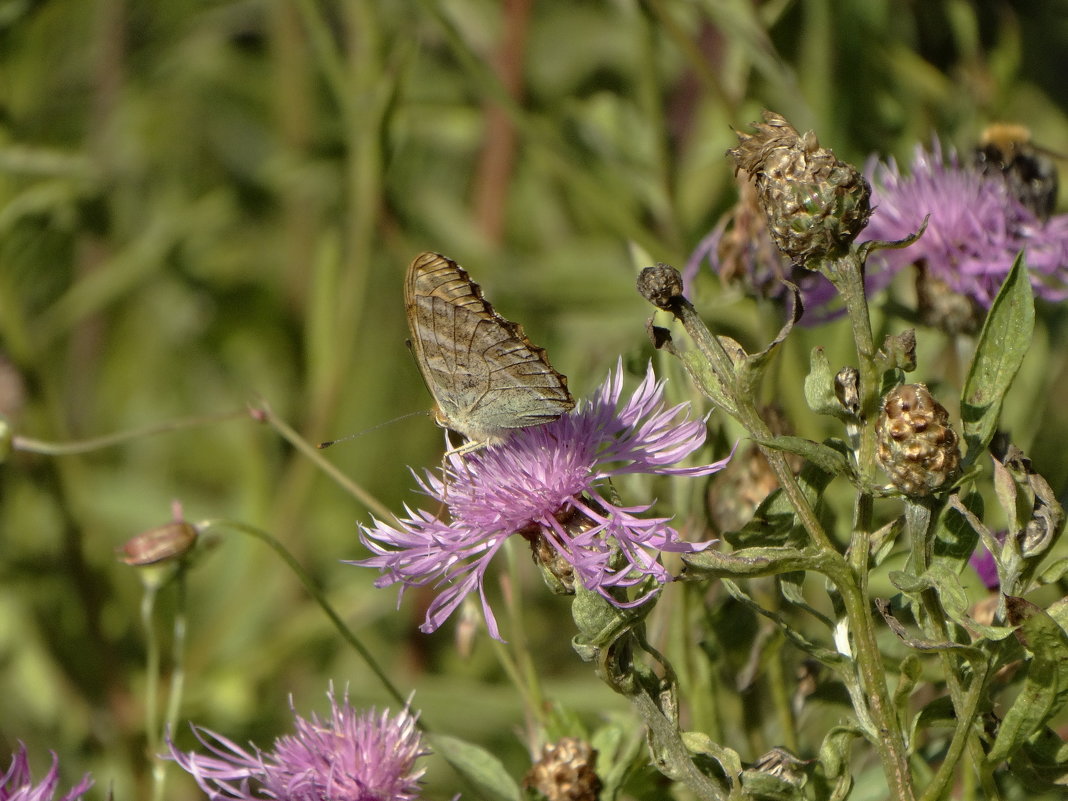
350, 756
539, 480
17, 784
976, 229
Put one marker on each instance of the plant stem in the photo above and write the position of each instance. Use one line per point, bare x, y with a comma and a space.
317, 594
847, 274
920, 517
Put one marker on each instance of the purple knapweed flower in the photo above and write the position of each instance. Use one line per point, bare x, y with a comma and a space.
17, 784
350, 756
976, 228
547, 483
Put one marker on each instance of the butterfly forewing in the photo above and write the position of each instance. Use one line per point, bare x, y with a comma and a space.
483, 372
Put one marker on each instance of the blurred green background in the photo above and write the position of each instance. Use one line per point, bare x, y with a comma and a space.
206, 204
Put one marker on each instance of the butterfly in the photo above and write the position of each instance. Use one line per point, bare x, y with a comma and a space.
486, 377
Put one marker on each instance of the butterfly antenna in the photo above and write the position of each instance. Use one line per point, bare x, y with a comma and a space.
347, 437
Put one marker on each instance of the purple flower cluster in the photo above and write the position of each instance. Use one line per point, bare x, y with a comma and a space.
539, 480
348, 757
976, 228
17, 784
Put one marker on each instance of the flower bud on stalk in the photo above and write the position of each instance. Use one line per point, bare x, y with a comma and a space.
815, 204
166, 543
916, 444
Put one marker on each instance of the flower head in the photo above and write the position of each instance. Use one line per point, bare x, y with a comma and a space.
350, 756
17, 784
976, 228
546, 483
814, 203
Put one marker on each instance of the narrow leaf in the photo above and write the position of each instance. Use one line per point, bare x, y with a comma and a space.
1003, 343
747, 562
1045, 689
478, 766
825, 457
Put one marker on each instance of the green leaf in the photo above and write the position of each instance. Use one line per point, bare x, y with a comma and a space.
1045, 689
825, 457
774, 522
769, 787
938, 714
951, 596
748, 562
954, 538
478, 766
909, 673
1041, 764
825, 655
1054, 571
1003, 343
834, 759
700, 743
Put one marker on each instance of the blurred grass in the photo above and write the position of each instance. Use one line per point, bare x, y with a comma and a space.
204, 204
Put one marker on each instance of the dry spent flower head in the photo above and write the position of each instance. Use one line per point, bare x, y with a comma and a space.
814, 203
539, 482
348, 756
18, 785
916, 444
566, 771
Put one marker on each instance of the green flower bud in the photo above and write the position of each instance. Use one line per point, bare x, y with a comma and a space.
815, 204
916, 445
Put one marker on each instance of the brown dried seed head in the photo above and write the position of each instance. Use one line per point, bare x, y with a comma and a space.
815, 204
566, 772
916, 444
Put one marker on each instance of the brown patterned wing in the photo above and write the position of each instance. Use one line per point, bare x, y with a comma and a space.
483, 372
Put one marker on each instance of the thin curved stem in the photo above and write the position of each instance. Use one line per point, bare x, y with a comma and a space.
317, 594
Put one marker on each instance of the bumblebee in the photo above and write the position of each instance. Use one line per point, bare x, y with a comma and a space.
1027, 170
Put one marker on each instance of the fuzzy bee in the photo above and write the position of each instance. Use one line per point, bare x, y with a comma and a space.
1027, 170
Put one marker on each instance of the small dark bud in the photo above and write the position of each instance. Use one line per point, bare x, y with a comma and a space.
661, 285
164, 543
566, 771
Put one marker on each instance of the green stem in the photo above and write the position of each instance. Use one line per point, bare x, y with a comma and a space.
316, 456
73, 447
850, 577
920, 517
847, 274
888, 738
316, 593
152, 668
746, 412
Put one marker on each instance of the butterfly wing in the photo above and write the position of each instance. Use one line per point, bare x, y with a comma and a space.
483, 372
